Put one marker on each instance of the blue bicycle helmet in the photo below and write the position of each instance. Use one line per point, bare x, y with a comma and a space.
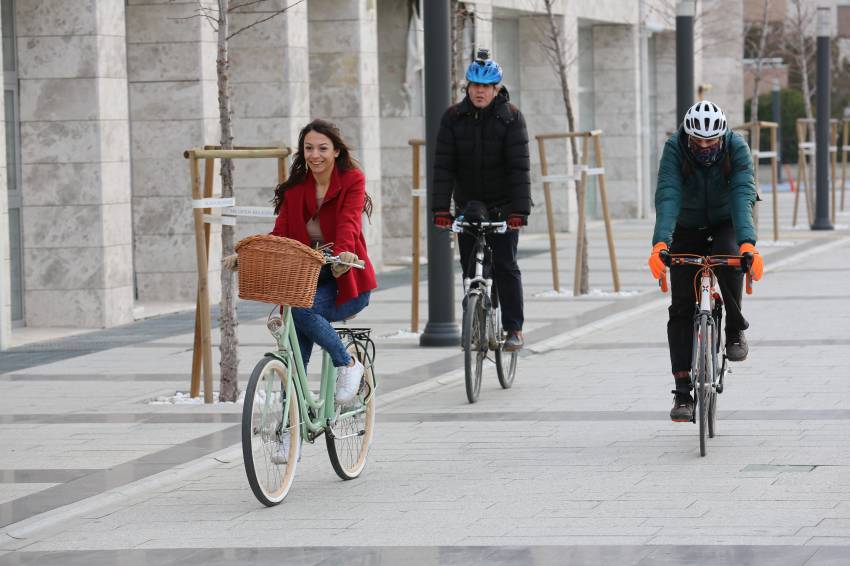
484, 70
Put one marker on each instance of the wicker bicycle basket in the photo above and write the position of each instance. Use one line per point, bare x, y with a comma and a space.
278, 270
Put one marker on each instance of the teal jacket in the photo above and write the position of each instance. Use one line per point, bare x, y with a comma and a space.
695, 196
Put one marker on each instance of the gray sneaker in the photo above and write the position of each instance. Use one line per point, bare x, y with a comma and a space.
514, 341
683, 406
736, 346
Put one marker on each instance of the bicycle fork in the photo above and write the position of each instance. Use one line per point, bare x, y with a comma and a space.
483, 285
706, 334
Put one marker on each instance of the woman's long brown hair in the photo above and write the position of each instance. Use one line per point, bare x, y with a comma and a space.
299, 170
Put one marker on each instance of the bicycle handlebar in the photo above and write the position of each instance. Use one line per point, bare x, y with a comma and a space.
460, 224
738, 262
334, 260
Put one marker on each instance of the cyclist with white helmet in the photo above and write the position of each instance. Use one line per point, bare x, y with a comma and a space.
482, 162
703, 204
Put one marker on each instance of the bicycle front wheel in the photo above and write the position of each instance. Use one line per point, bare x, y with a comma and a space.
703, 382
349, 438
271, 440
474, 345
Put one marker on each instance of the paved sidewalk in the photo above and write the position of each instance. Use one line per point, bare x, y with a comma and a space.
578, 463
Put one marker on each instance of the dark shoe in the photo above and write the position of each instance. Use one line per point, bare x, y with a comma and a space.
514, 341
683, 406
736, 346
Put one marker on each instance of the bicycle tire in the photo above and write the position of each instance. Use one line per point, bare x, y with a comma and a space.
701, 393
349, 439
506, 371
474, 346
263, 427
712, 389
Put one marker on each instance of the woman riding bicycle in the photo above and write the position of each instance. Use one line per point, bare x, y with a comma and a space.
322, 203
704, 205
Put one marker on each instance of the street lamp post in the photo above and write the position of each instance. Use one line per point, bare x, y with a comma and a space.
822, 221
441, 329
685, 12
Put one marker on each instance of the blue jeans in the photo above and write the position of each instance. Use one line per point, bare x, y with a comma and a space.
313, 325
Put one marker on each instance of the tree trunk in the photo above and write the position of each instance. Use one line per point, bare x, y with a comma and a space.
555, 38
803, 56
754, 101
228, 321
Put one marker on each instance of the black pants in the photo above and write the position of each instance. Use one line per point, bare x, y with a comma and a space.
714, 240
505, 273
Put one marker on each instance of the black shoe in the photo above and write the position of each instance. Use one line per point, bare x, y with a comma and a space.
683, 406
514, 341
736, 346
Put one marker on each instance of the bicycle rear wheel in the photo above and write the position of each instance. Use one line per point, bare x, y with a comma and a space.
703, 383
271, 441
474, 340
349, 438
505, 361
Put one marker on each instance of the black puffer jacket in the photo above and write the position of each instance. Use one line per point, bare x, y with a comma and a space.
482, 154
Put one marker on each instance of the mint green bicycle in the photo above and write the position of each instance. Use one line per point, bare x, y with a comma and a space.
280, 411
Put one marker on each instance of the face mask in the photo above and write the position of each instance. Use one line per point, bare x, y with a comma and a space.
705, 155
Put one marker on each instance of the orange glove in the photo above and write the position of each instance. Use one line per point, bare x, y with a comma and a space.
655, 264
756, 261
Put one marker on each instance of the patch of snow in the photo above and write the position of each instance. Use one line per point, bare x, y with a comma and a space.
401, 335
604, 293
184, 398
805, 226
777, 243
553, 294
568, 294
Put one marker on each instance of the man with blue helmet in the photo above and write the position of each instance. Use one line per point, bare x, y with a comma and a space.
482, 157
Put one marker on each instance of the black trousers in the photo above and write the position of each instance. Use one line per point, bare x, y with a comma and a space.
506, 273
713, 240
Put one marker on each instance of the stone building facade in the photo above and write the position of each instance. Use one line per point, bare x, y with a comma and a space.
103, 96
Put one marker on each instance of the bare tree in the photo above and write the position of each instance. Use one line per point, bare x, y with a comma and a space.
554, 45
219, 18
801, 49
756, 45
462, 17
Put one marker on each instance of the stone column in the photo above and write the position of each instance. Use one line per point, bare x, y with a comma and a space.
483, 25
173, 107
617, 99
401, 120
544, 111
75, 157
344, 80
270, 87
5, 254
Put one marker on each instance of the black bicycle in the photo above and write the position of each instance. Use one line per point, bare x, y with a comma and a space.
482, 319
706, 372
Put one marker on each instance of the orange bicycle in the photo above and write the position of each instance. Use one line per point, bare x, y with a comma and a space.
707, 372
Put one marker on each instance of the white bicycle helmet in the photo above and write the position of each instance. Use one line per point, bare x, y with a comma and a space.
705, 120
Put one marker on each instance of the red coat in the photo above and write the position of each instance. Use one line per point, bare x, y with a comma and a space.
341, 220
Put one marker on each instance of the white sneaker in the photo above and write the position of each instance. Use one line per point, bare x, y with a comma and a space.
281, 455
348, 382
